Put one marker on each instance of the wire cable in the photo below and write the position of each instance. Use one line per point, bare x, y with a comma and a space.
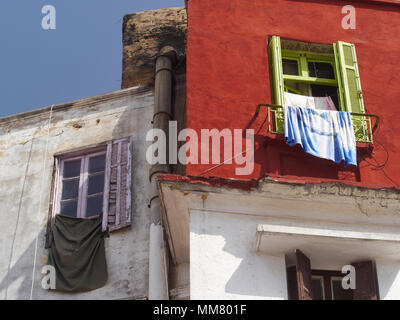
235, 156
18, 214
40, 199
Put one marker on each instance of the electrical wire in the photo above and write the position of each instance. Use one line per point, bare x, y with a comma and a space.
18, 214
382, 166
40, 199
378, 166
235, 156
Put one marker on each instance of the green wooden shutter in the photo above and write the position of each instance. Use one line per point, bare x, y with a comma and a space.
277, 84
350, 93
349, 78
276, 70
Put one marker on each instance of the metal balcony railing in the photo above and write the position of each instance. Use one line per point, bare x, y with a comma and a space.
362, 122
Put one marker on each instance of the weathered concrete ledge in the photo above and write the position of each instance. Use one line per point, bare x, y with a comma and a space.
269, 184
79, 103
369, 201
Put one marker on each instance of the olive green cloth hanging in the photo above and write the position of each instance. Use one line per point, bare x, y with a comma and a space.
77, 254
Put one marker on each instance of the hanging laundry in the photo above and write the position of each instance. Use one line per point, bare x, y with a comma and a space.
77, 254
319, 103
324, 134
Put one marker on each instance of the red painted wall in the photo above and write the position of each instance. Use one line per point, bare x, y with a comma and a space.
228, 75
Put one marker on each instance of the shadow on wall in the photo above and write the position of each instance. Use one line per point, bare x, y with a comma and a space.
19, 273
274, 157
388, 273
17, 283
227, 239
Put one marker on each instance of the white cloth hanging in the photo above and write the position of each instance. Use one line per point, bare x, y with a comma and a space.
319, 103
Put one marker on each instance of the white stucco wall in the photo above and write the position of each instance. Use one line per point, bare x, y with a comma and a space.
223, 263
388, 273
226, 264
25, 192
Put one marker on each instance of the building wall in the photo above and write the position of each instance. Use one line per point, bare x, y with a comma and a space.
241, 241
388, 273
228, 75
25, 182
224, 264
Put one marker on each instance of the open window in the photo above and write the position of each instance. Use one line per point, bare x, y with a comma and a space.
318, 70
304, 283
81, 185
94, 182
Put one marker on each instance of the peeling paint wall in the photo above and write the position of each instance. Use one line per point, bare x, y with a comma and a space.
26, 178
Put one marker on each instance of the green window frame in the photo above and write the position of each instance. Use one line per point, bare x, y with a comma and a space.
303, 58
346, 79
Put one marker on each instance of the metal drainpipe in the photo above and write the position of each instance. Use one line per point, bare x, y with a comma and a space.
158, 271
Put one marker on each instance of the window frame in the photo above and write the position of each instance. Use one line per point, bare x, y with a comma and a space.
340, 68
322, 279
84, 156
328, 276
123, 218
347, 81
299, 279
303, 58
331, 279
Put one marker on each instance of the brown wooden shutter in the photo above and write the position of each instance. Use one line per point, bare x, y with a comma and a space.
303, 274
366, 284
291, 275
117, 190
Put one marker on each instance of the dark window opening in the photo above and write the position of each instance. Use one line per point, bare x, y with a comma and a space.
305, 283
321, 70
325, 91
327, 285
290, 67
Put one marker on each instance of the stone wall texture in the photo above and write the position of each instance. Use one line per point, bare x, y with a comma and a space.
144, 35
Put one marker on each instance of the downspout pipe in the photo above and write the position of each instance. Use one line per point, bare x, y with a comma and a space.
158, 270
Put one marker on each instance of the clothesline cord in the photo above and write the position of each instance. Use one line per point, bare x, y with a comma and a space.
40, 199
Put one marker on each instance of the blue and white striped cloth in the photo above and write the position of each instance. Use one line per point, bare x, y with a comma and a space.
324, 134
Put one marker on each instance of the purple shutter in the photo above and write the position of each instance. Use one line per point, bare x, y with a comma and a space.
304, 277
117, 190
366, 288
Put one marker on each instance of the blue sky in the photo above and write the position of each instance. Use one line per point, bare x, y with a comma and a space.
81, 58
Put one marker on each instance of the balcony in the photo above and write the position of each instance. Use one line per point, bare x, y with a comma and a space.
364, 124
